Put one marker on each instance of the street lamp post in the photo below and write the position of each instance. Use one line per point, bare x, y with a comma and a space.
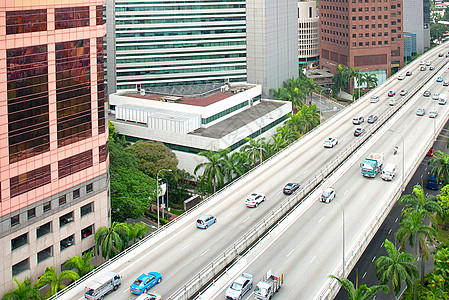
157, 192
343, 229
320, 104
403, 155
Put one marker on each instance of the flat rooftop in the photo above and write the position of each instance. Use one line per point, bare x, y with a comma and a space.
239, 120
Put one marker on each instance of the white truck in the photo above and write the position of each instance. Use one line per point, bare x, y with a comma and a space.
268, 286
102, 285
389, 172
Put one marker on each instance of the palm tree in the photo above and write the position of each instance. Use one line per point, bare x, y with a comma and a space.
240, 165
254, 149
340, 80
214, 168
441, 264
396, 268
81, 263
354, 73
24, 291
295, 122
440, 166
137, 232
287, 134
416, 234
279, 94
370, 79
112, 240
278, 142
51, 278
427, 204
360, 293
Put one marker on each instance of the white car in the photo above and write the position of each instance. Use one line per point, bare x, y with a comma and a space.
254, 199
442, 101
239, 287
358, 120
330, 143
433, 114
374, 99
436, 96
400, 77
420, 111
392, 102
328, 195
403, 92
149, 296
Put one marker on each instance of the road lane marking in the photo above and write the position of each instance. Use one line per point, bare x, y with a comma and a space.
278, 193
396, 220
185, 247
364, 275
363, 196
312, 260
347, 192
204, 252
246, 219
389, 231
382, 244
322, 218
374, 258
290, 252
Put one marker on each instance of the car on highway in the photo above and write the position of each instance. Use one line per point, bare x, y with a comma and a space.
359, 131
409, 73
328, 195
391, 93
330, 142
290, 187
255, 199
400, 77
205, 221
428, 63
403, 92
392, 102
240, 286
422, 62
427, 94
358, 120
145, 282
420, 111
445, 83
432, 184
430, 152
374, 99
431, 68
149, 296
440, 79
442, 100
440, 54
436, 96
423, 68
433, 114
372, 119
447, 54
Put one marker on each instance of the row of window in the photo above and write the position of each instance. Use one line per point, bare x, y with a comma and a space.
224, 113
177, 71
178, 20
125, 60
121, 33
47, 252
24, 21
379, 17
182, 45
186, 6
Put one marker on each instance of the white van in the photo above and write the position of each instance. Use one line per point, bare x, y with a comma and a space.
102, 285
389, 172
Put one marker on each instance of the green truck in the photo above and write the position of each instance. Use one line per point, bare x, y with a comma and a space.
372, 164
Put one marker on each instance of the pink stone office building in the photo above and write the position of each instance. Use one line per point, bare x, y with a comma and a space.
54, 185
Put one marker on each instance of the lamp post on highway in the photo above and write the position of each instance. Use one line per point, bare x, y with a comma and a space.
343, 229
157, 192
403, 155
320, 104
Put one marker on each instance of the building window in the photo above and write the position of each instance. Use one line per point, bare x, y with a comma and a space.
20, 267
354, 44
67, 242
86, 209
88, 250
31, 213
30, 180
71, 17
87, 231
62, 200
19, 241
103, 152
89, 188
76, 193
75, 163
43, 230
23, 21
66, 219
15, 220
44, 254
47, 206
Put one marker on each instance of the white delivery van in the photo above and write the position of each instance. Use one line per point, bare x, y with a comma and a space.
442, 99
102, 285
389, 172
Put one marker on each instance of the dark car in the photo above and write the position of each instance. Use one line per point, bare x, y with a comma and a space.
372, 119
290, 187
359, 131
440, 54
432, 184
431, 68
427, 94
391, 94
409, 73
67, 242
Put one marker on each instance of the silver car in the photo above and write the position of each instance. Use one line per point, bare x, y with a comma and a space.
433, 114
239, 287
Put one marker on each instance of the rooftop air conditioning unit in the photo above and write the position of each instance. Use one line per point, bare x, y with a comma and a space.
142, 92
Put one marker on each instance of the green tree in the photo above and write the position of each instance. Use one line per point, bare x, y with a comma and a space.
240, 165
440, 166
370, 79
137, 231
421, 203
413, 231
360, 293
111, 240
341, 78
441, 265
254, 149
396, 268
214, 168
51, 278
353, 74
435, 288
280, 93
288, 134
81, 263
24, 291
278, 142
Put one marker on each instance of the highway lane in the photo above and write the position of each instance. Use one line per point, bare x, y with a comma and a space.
311, 247
184, 253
